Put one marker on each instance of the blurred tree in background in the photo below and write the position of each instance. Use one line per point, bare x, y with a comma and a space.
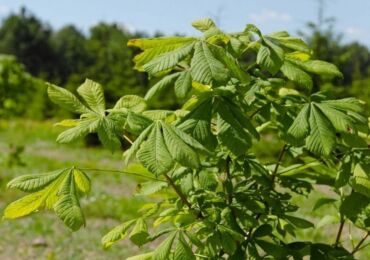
67, 56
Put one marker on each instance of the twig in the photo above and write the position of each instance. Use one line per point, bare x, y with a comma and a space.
339, 231
281, 156
181, 195
360, 243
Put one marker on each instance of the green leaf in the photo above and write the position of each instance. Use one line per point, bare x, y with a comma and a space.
116, 234
132, 102
178, 149
205, 68
24, 206
147, 256
321, 68
34, 182
161, 85
162, 252
299, 222
155, 47
168, 60
323, 201
92, 92
82, 181
183, 250
66, 99
300, 127
139, 234
137, 123
183, 84
322, 134
197, 123
150, 187
107, 134
153, 153
203, 24
137, 143
295, 74
85, 126
270, 57
68, 207
287, 41
361, 181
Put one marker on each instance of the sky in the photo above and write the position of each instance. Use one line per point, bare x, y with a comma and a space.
174, 16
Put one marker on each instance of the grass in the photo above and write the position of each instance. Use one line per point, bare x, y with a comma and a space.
43, 236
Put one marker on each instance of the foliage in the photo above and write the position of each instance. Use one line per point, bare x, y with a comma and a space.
20, 93
215, 197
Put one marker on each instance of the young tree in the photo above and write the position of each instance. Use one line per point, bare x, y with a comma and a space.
221, 201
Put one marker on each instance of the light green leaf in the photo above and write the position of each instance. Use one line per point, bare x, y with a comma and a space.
183, 84
137, 143
205, 68
295, 74
132, 102
300, 127
161, 85
183, 250
162, 252
322, 134
139, 234
66, 99
203, 24
92, 92
168, 60
321, 68
68, 206
116, 234
82, 181
34, 182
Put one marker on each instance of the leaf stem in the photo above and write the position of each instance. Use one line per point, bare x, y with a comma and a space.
124, 172
357, 248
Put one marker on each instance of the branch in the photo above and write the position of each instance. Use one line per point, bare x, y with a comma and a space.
181, 195
281, 156
339, 231
360, 243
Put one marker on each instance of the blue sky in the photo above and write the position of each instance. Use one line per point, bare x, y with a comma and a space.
171, 16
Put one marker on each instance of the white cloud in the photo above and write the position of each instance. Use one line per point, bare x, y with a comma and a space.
270, 16
354, 32
4, 9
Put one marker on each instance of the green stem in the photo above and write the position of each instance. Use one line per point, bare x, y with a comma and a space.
123, 172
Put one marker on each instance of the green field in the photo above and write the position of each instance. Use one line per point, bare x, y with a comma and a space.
43, 235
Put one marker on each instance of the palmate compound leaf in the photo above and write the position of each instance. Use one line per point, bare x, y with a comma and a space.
58, 190
161, 145
162, 252
319, 123
94, 119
